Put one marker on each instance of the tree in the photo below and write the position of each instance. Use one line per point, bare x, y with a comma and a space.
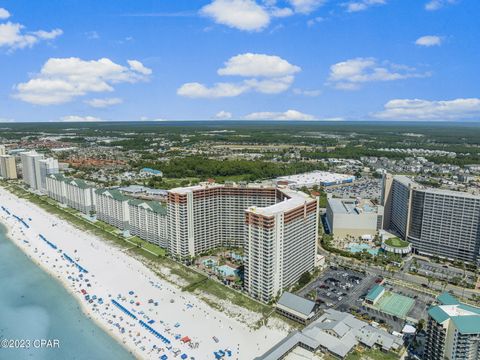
304, 279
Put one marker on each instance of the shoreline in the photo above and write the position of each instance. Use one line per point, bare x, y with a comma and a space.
71, 293
172, 313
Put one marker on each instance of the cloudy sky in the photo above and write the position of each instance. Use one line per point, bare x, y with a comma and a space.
88, 60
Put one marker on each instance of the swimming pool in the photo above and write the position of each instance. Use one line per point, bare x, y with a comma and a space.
356, 248
226, 270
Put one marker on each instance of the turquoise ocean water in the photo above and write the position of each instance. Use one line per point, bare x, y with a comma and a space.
34, 306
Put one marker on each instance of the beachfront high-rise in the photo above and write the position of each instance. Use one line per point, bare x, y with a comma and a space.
437, 222
35, 169
148, 221
74, 193
112, 208
453, 330
8, 168
276, 227
3, 150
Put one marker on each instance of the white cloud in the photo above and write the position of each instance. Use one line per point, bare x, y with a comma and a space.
253, 65
310, 93
4, 14
429, 40
6, 120
239, 14
351, 74
361, 5
433, 5
102, 103
77, 118
417, 109
219, 90
306, 6
63, 79
287, 115
13, 36
265, 74
223, 115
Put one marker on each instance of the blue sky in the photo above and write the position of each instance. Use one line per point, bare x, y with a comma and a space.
65, 60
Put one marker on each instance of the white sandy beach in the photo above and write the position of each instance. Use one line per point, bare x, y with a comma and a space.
112, 275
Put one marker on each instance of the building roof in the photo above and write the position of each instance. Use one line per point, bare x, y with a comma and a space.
296, 303
151, 171
465, 318
115, 194
446, 298
374, 292
154, 206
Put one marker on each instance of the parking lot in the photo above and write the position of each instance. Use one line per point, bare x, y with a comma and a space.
339, 288
365, 189
441, 272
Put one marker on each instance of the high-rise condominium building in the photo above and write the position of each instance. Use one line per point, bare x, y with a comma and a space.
112, 208
35, 169
8, 169
437, 222
74, 193
3, 151
453, 331
148, 221
276, 227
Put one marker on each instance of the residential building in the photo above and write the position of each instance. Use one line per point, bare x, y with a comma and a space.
436, 222
353, 217
148, 221
112, 208
453, 330
3, 151
43, 168
35, 169
8, 168
75, 193
277, 228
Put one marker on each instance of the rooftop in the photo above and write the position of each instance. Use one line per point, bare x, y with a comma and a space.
375, 292
296, 303
466, 318
316, 177
351, 206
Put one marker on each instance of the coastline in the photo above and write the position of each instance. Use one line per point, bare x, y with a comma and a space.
67, 288
195, 318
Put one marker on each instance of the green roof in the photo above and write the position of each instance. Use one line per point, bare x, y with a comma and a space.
154, 206
467, 324
58, 176
446, 298
397, 242
115, 194
438, 314
374, 292
79, 183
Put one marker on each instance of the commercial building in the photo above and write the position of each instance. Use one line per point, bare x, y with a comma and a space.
297, 308
148, 221
74, 193
8, 168
318, 178
277, 229
453, 330
35, 169
112, 208
436, 222
337, 334
353, 217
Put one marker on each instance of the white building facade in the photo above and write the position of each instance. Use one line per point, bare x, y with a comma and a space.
112, 208
148, 221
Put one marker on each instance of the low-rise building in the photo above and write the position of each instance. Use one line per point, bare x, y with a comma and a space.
297, 308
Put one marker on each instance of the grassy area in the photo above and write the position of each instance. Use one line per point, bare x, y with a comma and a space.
372, 354
148, 246
396, 242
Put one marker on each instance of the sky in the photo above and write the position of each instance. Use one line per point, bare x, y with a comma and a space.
110, 60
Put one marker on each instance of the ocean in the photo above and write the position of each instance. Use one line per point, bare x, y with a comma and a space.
36, 307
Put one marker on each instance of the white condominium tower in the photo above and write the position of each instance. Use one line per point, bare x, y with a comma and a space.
74, 193
148, 221
437, 222
3, 151
112, 208
453, 330
276, 227
35, 169
280, 244
8, 169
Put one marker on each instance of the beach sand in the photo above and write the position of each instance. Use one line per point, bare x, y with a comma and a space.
113, 275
